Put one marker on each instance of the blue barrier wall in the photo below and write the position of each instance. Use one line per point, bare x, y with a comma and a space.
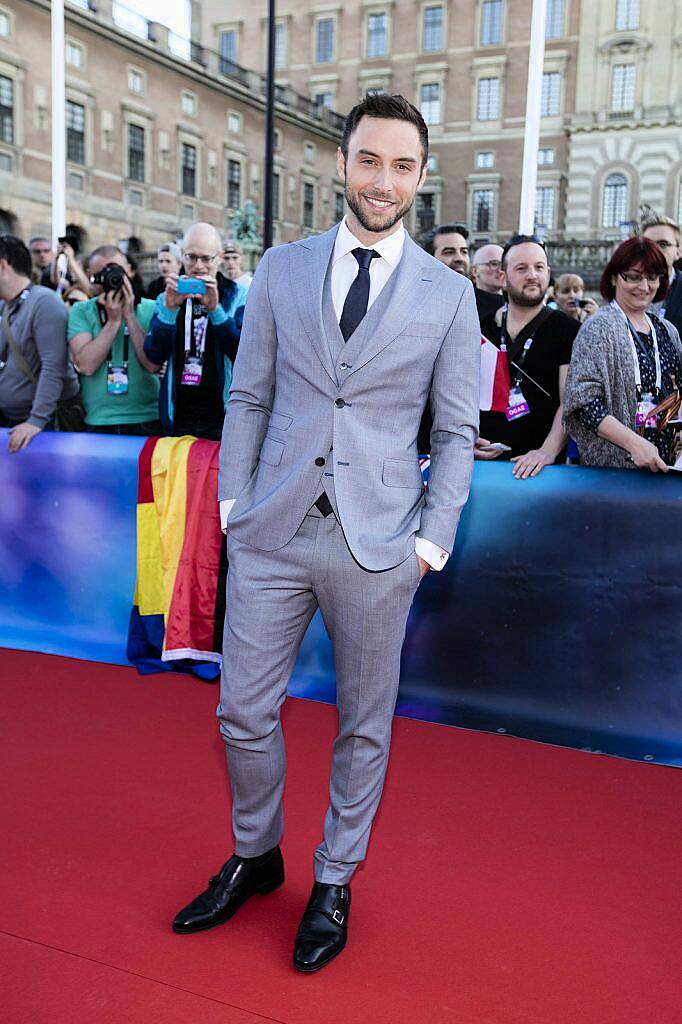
557, 619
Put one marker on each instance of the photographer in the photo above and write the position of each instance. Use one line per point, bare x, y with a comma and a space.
201, 342
169, 261
569, 295
66, 267
36, 378
106, 338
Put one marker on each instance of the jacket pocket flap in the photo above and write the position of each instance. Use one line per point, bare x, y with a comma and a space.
279, 421
418, 330
401, 473
271, 451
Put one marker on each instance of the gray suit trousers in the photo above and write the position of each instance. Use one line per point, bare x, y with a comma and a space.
271, 598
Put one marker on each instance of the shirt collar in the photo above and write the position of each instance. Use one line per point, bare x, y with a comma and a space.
390, 248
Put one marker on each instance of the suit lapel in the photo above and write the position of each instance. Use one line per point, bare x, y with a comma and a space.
309, 263
399, 303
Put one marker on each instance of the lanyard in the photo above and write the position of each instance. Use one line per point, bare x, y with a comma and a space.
195, 331
521, 357
632, 334
125, 350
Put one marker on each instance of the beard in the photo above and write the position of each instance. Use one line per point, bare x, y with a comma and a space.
379, 220
522, 298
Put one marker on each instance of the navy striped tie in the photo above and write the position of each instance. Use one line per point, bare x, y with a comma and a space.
355, 306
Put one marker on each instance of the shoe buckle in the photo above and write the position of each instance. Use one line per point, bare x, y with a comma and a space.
338, 917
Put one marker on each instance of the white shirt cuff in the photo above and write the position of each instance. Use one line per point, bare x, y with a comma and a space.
225, 509
431, 553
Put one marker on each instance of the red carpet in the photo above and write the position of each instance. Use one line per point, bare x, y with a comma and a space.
507, 883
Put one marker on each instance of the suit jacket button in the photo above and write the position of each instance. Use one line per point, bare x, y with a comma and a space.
319, 461
343, 366
339, 403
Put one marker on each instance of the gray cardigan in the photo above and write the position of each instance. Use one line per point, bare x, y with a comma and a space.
602, 366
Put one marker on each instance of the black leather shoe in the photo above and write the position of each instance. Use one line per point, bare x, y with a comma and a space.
323, 932
237, 880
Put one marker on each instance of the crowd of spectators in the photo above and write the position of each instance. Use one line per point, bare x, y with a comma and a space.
84, 345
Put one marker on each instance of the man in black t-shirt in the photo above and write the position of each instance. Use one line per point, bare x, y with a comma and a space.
538, 344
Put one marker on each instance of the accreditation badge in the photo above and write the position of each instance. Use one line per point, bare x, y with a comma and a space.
191, 371
117, 380
644, 407
517, 406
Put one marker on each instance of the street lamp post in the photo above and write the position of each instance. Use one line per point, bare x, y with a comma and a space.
531, 141
269, 129
58, 123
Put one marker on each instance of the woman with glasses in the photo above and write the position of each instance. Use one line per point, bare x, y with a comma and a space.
626, 361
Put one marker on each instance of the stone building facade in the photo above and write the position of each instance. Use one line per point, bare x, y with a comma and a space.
625, 133
462, 62
156, 137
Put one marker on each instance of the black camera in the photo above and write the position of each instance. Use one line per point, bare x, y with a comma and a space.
110, 277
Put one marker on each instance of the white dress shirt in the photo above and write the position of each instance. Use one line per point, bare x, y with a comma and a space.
344, 271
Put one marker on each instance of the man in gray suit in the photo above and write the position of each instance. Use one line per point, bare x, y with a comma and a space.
345, 336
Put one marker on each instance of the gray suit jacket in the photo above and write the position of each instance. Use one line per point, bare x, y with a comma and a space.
299, 396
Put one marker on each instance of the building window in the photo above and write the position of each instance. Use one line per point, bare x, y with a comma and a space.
6, 109
188, 104
482, 209
488, 106
556, 16
491, 22
615, 201
234, 123
324, 99
275, 195
135, 152
5, 26
485, 160
74, 181
377, 33
432, 164
545, 157
544, 206
135, 197
308, 204
375, 90
228, 50
234, 184
324, 42
276, 139
340, 209
551, 94
309, 153
425, 212
627, 15
429, 102
74, 55
5, 162
280, 44
623, 88
75, 132
135, 80
188, 161
432, 29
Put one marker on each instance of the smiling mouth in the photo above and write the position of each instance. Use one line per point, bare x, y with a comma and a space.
378, 204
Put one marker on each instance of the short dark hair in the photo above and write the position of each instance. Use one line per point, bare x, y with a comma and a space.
17, 255
429, 242
389, 107
520, 240
635, 250
105, 250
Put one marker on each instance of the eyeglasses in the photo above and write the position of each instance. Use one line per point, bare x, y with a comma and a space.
632, 277
490, 264
193, 257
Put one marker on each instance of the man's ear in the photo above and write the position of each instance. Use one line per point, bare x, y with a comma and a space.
340, 163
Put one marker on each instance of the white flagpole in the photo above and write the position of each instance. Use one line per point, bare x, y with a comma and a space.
58, 123
531, 141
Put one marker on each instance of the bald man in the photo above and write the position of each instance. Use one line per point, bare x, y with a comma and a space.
486, 273
196, 328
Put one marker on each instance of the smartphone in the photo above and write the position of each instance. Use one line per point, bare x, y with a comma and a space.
582, 303
191, 286
496, 446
